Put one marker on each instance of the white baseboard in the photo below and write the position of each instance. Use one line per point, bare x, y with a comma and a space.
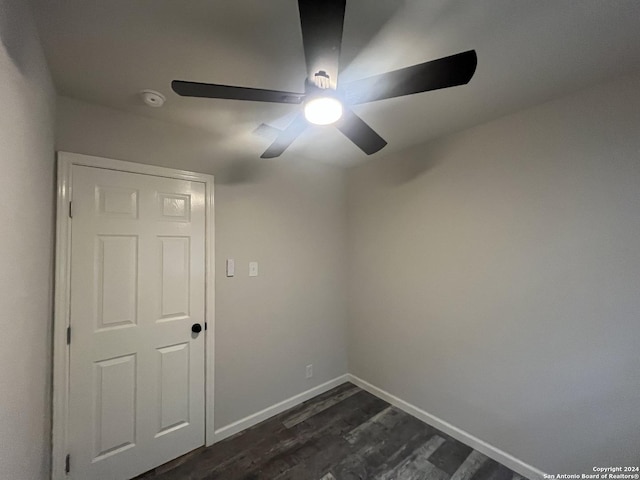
483, 447
280, 407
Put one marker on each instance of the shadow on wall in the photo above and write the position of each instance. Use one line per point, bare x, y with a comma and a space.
402, 167
242, 172
10, 33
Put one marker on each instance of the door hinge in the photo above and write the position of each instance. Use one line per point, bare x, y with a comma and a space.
67, 463
70, 210
68, 335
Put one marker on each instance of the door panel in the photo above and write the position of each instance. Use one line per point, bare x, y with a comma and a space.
136, 391
115, 405
116, 280
174, 274
173, 401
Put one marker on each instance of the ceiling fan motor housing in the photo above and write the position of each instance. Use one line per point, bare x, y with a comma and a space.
322, 80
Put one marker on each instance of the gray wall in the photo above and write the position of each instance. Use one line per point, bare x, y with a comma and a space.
495, 278
288, 214
26, 244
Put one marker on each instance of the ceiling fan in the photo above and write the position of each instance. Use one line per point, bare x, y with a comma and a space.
326, 102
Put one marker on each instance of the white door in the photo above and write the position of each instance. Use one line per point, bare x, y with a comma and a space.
136, 384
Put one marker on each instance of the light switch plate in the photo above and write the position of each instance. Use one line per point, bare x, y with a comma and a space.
231, 267
253, 269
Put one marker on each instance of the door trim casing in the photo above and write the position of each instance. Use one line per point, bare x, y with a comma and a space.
61, 359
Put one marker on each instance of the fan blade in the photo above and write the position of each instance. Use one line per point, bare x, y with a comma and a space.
356, 130
321, 22
211, 90
442, 73
286, 137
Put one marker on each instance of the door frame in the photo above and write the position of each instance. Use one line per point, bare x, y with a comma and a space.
62, 292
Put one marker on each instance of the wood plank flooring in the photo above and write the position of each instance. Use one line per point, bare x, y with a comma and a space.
344, 434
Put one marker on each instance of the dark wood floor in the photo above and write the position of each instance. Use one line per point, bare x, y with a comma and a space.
344, 434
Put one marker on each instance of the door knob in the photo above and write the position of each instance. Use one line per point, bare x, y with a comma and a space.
196, 328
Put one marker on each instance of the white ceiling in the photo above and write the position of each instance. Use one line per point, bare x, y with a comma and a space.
529, 51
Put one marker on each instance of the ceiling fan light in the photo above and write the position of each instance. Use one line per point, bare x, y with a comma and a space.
323, 110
